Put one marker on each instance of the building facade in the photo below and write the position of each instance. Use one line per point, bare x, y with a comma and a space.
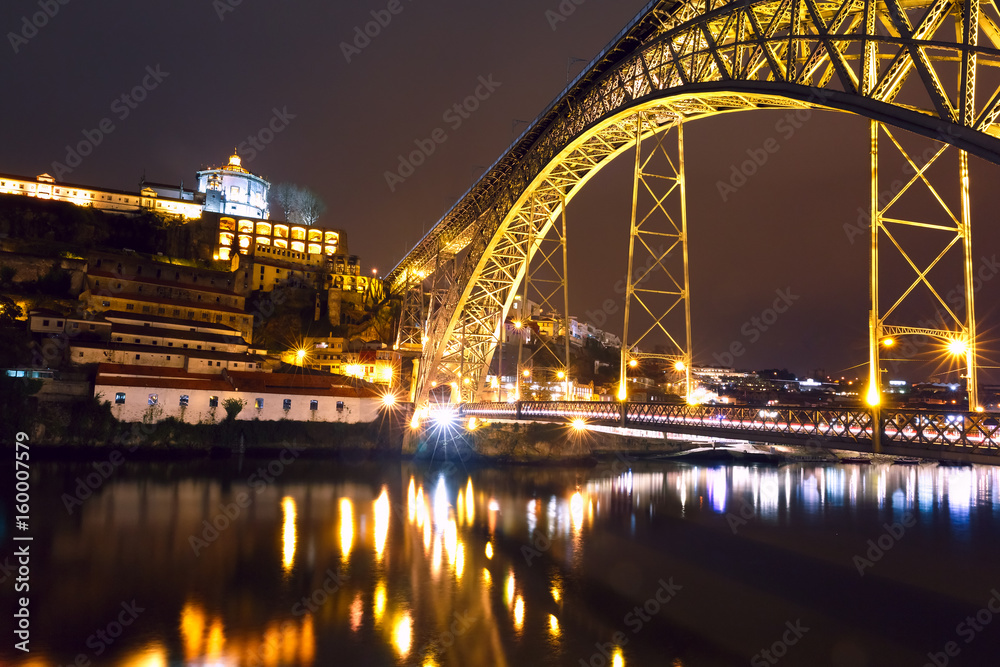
233, 190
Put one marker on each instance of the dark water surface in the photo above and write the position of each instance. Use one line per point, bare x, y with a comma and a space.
625, 564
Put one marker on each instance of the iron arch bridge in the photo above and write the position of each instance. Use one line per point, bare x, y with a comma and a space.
909, 64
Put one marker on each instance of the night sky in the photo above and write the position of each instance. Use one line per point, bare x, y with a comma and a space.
227, 67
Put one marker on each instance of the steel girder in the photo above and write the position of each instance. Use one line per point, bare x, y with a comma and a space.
686, 60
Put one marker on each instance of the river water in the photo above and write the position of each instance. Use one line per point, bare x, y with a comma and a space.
629, 563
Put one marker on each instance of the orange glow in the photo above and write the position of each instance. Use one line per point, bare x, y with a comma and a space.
288, 533
192, 630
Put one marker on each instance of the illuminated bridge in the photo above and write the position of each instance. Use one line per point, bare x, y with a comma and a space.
929, 67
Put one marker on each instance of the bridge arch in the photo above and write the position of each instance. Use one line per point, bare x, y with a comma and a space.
682, 61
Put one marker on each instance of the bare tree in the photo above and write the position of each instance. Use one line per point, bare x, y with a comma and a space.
301, 205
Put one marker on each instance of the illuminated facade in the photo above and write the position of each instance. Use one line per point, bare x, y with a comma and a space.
242, 236
233, 190
111, 201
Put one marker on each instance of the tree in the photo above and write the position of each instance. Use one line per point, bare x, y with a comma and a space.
233, 407
300, 205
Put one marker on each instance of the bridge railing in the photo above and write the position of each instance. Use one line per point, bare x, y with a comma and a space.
956, 431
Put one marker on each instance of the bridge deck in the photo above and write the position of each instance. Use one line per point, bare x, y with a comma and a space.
956, 436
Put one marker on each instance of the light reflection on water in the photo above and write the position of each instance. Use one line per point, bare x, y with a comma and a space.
383, 564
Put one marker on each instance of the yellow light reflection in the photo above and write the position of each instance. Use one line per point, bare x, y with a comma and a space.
553, 625
510, 587
430, 662
307, 643
470, 504
460, 560
451, 540
411, 502
556, 594
357, 613
346, 528
192, 630
152, 655
381, 523
421, 508
617, 658
519, 613
289, 642
379, 601
487, 579
288, 533
216, 640
489, 550
402, 635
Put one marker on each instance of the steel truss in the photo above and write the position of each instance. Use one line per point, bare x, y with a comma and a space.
893, 61
955, 330
658, 282
411, 332
546, 280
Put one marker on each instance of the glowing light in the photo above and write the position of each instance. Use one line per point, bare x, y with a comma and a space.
379, 601
489, 550
300, 355
460, 560
411, 502
617, 659
494, 505
958, 347
561, 375
888, 342
346, 527
357, 613
518, 324
553, 625
415, 420
579, 424
519, 613
486, 577
152, 655
526, 373
621, 393
381, 523
509, 588
216, 640
980, 408
470, 504
389, 400
556, 595
633, 363
402, 635
288, 533
680, 367
874, 397
192, 630
473, 423
576, 511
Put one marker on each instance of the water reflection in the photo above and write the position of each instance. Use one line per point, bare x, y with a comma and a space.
375, 566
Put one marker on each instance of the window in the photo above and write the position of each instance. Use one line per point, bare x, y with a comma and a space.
129, 306
314, 405
45, 323
153, 399
137, 357
184, 401
213, 401
120, 398
340, 406
258, 403
286, 404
